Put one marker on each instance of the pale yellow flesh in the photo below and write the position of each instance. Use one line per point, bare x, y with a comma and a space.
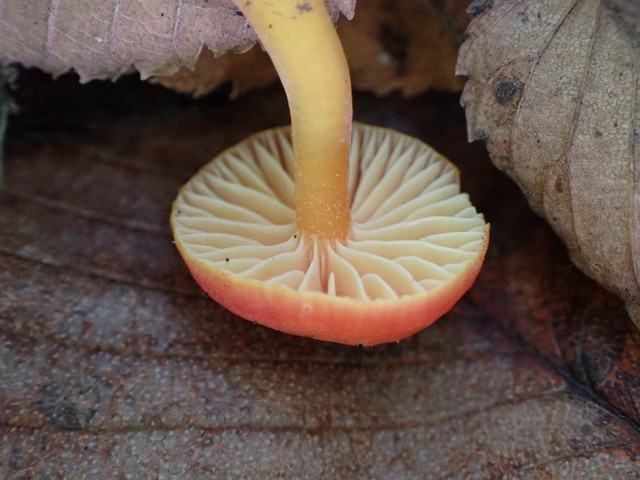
412, 229
306, 51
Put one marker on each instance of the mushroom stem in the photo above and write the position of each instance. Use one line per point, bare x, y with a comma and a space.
306, 51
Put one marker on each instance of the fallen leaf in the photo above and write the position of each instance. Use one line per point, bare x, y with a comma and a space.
405, 47
105, 38
252, 69
113, 364
553, 89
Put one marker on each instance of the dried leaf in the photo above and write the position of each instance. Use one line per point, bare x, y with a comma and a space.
249, 70
114, 365
553, 89
106, 38
407, 46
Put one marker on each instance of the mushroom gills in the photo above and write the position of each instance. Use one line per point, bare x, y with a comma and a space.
412, 230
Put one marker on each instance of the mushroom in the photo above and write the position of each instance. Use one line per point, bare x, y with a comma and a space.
351, 234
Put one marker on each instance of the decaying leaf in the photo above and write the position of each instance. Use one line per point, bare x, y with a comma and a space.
106, 38
114, 365
245, 71
407, 46
553, 88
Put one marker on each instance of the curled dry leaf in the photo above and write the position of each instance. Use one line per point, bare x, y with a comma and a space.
106, 38
252, 69
407, 46
553, 89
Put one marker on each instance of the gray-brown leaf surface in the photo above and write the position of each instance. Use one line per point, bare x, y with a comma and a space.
106, 38
114, 365
553, 88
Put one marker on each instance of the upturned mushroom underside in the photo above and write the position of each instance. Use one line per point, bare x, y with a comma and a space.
411, 229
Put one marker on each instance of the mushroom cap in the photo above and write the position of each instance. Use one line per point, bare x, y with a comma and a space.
415, 247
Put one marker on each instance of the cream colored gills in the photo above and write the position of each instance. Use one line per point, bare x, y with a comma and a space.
411, 227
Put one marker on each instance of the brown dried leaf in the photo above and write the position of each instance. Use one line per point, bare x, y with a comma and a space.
106, 38
407, 46
553, 88
114, 365
246, 71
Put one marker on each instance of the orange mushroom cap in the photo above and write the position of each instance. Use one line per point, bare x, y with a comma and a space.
415, 244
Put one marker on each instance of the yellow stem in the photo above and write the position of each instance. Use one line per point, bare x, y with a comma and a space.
306, 51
